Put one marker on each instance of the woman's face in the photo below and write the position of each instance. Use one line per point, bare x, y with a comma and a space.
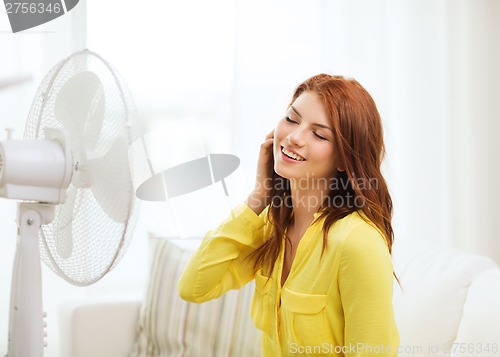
303, 141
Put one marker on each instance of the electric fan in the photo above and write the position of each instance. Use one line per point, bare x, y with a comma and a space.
72, 173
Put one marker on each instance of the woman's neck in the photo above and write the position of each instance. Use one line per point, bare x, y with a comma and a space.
306, 202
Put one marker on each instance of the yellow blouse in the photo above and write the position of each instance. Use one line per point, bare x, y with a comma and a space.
338, 305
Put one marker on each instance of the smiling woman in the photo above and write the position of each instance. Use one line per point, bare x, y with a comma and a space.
322, 267
295, 130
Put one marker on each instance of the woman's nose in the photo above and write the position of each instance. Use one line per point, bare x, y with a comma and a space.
296, 137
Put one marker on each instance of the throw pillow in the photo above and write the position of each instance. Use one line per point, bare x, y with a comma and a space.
170, 326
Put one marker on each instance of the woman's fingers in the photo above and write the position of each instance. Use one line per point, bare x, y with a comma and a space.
269, 141
259, 197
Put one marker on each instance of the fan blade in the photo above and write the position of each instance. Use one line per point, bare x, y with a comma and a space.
63, 224
79, 108
111, 181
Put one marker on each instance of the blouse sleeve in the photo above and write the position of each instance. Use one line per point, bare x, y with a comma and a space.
221, 262
366, 284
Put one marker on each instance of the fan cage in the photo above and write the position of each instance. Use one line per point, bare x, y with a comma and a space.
85, 242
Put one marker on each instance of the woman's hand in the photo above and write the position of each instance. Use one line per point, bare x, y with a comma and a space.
261, 194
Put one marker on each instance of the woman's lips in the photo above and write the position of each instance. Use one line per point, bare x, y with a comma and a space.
286, 158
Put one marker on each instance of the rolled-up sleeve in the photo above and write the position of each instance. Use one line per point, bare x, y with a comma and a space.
221, 262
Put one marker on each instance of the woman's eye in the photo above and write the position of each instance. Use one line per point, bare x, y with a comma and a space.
319, 136
289, 119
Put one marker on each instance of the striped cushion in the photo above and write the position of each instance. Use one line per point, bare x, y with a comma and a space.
170, 326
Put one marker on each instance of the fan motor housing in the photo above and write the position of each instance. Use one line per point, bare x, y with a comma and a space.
33, 170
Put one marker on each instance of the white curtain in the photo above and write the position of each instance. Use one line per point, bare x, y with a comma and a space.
431, 66
443, 94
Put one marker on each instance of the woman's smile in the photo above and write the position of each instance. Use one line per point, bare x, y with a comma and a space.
289, 155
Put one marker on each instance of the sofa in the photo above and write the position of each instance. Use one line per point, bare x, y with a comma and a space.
446, 304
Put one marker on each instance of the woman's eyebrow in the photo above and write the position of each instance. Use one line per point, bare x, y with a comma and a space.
313, 124
322, 126
295, 110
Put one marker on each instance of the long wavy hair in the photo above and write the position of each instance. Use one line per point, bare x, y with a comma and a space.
358, 138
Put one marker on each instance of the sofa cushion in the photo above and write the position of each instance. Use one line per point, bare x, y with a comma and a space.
170, 326
428, 306
478, 333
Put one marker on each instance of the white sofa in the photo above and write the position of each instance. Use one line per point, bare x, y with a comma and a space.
448, 305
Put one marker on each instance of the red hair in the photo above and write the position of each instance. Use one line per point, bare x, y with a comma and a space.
358, 138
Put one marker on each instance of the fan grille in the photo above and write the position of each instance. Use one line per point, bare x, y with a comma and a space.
84, 96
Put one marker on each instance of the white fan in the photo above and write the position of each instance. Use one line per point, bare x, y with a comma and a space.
72, 173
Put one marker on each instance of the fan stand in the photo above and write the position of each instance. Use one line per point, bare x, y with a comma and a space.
26, 325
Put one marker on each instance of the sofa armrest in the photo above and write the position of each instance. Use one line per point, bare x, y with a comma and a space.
480, 324
99, 328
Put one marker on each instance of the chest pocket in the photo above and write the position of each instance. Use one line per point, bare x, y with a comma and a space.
304, 318
261, 304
